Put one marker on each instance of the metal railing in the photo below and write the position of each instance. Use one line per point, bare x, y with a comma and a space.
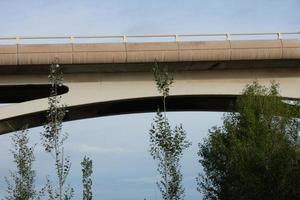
125, 38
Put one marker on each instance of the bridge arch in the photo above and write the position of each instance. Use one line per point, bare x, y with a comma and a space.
98, 94
107, 79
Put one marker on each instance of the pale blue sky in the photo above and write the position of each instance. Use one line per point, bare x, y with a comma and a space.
44, 17
119, 144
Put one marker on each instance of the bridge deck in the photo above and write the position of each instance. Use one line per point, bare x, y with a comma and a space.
118, 53
209, 75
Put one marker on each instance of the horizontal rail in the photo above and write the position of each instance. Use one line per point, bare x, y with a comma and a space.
124, 38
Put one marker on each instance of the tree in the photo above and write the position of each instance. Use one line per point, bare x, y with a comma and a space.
52, 138
21, 185
87, 170
167, 145
256, 153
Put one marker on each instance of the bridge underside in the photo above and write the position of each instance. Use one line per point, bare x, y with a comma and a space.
147, 67
138, 105
115, 78
103, 91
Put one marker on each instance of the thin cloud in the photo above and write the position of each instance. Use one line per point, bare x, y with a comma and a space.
146, 180
92, 149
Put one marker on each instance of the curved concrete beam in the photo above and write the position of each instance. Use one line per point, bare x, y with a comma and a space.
101, 94
115, 78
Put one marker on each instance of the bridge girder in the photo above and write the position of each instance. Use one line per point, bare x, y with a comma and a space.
206, 79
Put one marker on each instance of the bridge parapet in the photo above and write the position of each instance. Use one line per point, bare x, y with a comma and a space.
141, 52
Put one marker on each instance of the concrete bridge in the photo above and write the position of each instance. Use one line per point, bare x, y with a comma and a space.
107, 78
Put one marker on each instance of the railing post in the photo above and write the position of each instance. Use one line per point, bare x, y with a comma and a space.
124, 38
17, 40
227, 36
279, 36
176, 38
72, 39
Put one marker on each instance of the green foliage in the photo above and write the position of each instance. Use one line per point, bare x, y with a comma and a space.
21, 186
163, 80
167, 145
53, 194
256, 153
53, 139
87, 170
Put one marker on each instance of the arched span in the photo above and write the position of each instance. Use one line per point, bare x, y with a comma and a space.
105, 79
126, 106
101, 94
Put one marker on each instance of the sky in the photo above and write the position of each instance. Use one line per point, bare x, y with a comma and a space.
118, 145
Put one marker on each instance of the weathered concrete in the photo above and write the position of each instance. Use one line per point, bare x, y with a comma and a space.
33, 54
116, 78
101, 94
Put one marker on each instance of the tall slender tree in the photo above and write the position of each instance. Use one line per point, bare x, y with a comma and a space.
21, 183
256, 153
87, 170
167, 145
53, 139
